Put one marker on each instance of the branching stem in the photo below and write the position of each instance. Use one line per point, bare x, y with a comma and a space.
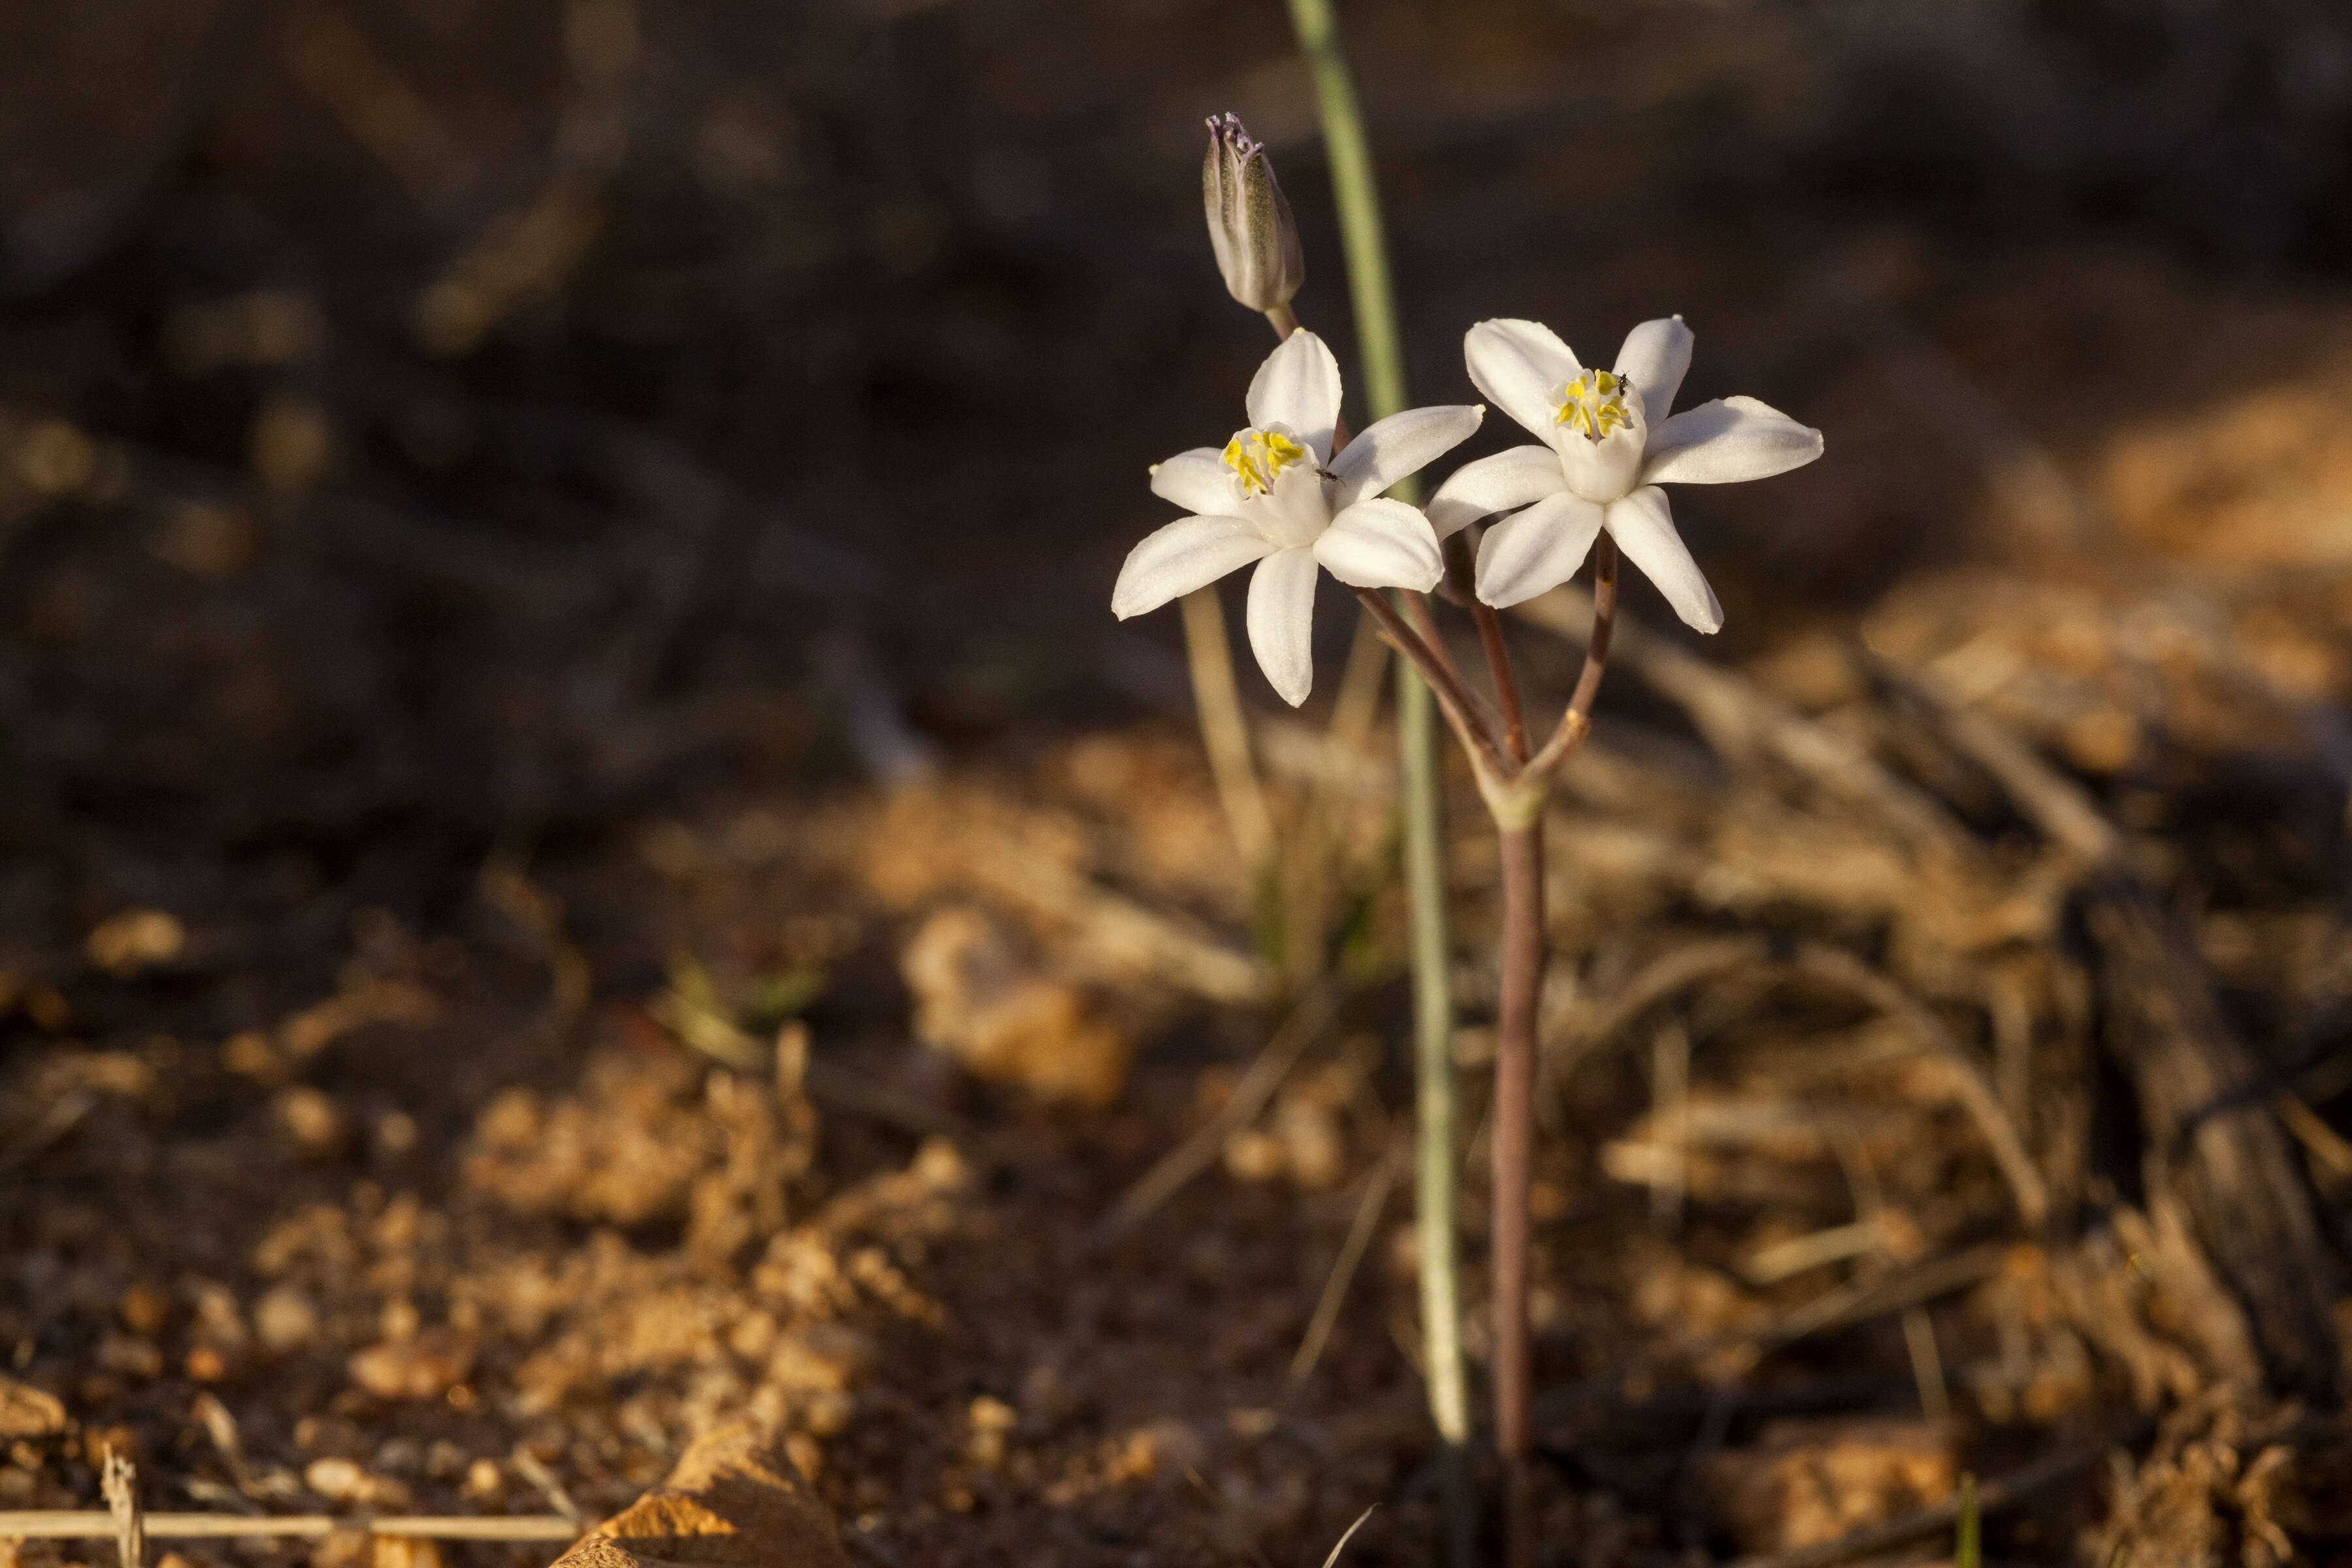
1506, 691
1514, 785
1454, 700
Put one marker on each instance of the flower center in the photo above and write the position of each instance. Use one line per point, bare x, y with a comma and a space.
1593, 404
1257, 457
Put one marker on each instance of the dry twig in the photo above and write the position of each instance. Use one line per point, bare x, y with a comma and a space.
119, 1481
1377, 1187
2005, 1491
91, 1524
1306, 1022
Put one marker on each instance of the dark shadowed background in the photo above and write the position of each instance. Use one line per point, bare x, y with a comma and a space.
487, 487
428, 418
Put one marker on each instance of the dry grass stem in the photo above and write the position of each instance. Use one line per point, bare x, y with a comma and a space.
1360, 1230
70, 1524
1224, 729
119, 1481
1306, 1022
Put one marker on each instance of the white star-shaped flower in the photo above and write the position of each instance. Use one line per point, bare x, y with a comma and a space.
1608, 446
1277, 495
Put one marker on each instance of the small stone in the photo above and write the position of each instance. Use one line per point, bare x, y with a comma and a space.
399, 1455
135, 939
342, 1480
1313, 1148
293, 443
399, 1319
981, 1002
425, 1368
131, 1355
1252, 1421
116, 1072
734, 1501
250, 1055
396, 1133
344, 1549
1805, 1482
991, 1419
285, 1319
753, 1336
144, 1308
345, 1481
312, 1117
814, 1361
219, 1321
28, 1411
1253, 1155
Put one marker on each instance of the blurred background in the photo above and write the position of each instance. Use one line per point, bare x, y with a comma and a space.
423, 420
490, 489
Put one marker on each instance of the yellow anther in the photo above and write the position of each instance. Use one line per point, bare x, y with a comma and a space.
1257, 457
1593, 404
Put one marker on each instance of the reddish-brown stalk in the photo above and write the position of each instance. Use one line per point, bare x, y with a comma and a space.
1514, 785
1506, 691
1463, 714
1513, 1169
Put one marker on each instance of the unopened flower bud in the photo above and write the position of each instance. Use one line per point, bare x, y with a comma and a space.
1249, 222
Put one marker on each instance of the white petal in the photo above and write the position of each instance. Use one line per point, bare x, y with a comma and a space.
1535, 550
1643, 527
1282, 622
1725, 441
1605, 470
1400, 445
1490, 485
1381, 544
1191, 553
1298, 386
1197, 480
1654, 359
1295, 512
1516, 364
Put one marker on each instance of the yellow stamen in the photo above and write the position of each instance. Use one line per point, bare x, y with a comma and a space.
1257, 457
1593, 404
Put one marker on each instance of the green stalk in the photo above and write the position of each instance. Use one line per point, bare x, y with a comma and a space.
1357, 196
1359, 200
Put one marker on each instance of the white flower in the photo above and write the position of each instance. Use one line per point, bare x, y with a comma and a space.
1608, 446
1275, 495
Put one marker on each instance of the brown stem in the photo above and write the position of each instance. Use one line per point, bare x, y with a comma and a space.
1499, 664
1514, 1138
1576, 724
1468, 725
1461, 572
1604, 621
1417, 613
1425, 621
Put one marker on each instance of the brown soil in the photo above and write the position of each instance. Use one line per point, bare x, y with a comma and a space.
581, 860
